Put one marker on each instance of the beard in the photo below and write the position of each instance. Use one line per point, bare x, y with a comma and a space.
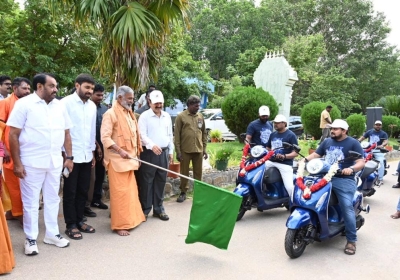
263, 120
126, 105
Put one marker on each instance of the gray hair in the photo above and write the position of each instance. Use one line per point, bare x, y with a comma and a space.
193, 99
123, 90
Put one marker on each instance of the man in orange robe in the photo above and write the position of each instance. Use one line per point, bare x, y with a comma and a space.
121, 140
21, 88
7, 261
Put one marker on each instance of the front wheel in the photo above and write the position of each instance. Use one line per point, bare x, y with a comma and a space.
295, 243
246, 205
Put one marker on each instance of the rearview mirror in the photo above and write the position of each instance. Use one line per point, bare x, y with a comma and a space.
286, 145
354, 155
242, 136
296, 148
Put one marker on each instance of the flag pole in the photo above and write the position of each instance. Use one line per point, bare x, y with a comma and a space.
164, 169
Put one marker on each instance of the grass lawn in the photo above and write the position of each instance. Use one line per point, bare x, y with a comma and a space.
237, 150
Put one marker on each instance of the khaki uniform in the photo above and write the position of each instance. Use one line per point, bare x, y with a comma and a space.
325, 130
190, 142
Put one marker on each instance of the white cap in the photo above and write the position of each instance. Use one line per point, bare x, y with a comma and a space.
378, 122
280, 118
338, 123
263, 111
156, 96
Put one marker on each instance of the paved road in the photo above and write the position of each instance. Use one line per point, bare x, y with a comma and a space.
156, 249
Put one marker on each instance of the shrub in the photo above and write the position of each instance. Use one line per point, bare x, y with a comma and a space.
312, 144
216, 133
311, 116
224, 153
387, 122
240, 107
356, 124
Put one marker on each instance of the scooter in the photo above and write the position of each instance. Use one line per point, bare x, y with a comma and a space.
260, 188
315, 211
369, 174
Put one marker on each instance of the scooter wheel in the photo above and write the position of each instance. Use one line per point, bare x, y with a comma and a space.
295, 243
246, 205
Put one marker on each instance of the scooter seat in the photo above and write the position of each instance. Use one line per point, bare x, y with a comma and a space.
333, 200
272, 175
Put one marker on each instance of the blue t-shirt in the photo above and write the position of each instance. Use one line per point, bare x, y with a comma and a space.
259, 132
337, 150
375, 136
276, 140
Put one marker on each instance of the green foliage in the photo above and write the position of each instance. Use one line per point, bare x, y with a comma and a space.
241, 107
33, 41
391, 125
390, 105
216, 134
311, 117
216, 102
356, 124
223, 153
312, 144
177, 66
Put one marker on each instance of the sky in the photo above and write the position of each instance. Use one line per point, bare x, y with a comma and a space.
391, 10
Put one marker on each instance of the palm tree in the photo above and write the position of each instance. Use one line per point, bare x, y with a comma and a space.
132, 34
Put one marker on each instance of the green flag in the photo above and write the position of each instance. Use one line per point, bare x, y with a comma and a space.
213, 215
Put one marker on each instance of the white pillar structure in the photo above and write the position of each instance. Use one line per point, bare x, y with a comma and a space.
277, 77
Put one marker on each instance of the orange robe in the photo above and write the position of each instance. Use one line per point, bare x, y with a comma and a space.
120, 127
7, 261
11, 180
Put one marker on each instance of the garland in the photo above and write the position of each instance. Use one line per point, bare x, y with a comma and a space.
370, 155
244, 169
316, 187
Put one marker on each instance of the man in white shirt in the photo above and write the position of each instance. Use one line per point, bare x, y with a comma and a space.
155, 127
39, 128
82, 112
5, 86
143, 100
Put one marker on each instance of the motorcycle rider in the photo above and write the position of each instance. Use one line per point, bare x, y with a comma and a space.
380, 137
283, 159
344, 185
259, 131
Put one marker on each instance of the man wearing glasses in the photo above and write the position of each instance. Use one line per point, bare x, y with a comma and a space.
380, 137
5, 86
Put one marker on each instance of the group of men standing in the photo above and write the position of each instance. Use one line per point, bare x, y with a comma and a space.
44, 137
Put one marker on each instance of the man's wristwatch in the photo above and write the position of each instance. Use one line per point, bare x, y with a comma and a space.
71, 158
352, 168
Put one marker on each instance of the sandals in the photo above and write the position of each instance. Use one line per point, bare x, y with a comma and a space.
86, 228
350, 248
73, 233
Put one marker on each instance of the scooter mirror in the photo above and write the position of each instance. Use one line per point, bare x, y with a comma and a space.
296, 148
286, 145
243, 136
384, 151
354, 155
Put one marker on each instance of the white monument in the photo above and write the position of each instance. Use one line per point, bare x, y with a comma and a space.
276, 76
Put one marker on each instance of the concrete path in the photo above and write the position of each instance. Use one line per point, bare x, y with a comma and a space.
157, 249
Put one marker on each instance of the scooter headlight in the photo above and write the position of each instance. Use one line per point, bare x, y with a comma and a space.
364, 145
257, 151
315, 166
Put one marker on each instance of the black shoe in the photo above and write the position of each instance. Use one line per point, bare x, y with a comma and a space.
181, 197
161, 216
396, 186
99, 204
89, 213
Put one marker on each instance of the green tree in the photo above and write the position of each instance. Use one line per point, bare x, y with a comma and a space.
240, 107
311, 117
132, 34
179, 75
356, 124
33, 41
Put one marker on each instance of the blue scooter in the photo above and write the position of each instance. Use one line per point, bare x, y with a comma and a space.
317, 217
260, 188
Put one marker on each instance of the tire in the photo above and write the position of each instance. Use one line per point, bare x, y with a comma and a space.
286, 205
294, 242
244, 206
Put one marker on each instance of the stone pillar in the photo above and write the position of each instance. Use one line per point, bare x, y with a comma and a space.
277, 77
